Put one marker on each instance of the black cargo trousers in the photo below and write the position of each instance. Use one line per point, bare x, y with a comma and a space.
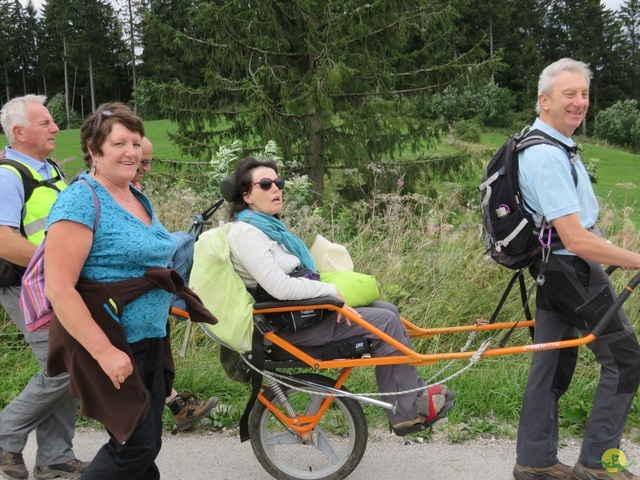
574, 297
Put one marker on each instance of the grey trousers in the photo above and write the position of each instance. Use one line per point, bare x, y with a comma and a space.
574, 297
45, 403
390, 378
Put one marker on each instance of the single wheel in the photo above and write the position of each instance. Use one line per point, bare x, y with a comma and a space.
337, 442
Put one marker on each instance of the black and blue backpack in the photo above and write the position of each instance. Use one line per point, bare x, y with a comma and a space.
511, 235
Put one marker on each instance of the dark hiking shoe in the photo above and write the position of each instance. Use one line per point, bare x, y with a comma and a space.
192, 410
71, 469
559, 471
12, 465
580, 472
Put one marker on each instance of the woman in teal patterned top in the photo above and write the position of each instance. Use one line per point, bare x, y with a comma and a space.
127, 241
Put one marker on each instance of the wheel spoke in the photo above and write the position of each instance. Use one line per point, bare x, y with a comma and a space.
324, 446
282, 438
314, 404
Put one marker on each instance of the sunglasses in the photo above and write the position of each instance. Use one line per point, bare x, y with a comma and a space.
266, 183
103, 114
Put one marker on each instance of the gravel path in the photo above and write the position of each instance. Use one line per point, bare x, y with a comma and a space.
220, 456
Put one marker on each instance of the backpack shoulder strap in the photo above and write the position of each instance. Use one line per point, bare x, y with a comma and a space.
28, 182
96, 203
537, 137
569, 150
58, 175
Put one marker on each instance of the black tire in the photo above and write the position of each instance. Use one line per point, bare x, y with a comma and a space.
340, 437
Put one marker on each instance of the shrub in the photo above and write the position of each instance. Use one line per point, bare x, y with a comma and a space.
224, 161
468, 131
617, 123
56, 106
146, 101
489, 105
635, 136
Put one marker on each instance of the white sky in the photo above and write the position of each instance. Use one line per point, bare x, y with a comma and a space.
38, 3
612, 4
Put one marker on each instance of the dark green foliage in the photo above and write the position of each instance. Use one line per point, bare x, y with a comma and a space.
83, 34
468, 131
519, 44
18, 55
620, 124
57, 109
167, 53
488, 105
331, 85
629, 18
88, 36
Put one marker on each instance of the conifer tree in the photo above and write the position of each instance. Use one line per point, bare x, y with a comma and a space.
629, 16
330, 82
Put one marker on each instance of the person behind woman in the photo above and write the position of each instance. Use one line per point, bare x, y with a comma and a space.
264, 253
128, 241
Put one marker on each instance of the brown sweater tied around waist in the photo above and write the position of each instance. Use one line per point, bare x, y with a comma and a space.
119, 411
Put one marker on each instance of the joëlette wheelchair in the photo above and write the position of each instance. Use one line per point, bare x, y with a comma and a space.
309, 425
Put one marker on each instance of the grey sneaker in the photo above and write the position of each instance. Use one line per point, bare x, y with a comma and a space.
71, 469
12, 465
580, 472
559, 471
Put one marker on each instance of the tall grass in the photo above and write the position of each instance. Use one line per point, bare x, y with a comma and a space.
427, 255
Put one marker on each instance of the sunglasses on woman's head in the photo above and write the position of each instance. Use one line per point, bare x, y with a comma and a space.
266, 183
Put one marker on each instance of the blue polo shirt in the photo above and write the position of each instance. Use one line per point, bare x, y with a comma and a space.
547, 185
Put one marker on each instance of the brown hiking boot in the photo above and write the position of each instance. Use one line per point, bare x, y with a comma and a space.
580, 472
71, 469
559, 471
12, 465
192, 410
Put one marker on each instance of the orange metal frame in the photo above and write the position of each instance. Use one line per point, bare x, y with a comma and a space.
408, 355
302, 425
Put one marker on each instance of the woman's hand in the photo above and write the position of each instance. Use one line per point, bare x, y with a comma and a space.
350, 309
116, 364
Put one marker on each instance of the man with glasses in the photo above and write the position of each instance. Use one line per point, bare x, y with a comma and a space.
45, 404
145, 163
186, 409
574, 296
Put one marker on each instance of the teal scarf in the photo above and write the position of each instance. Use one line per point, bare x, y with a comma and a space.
277, 231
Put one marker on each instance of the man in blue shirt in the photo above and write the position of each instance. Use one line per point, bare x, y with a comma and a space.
574, 295
45, 404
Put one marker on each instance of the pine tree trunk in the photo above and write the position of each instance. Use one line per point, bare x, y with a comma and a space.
316, 155
92, 88
66, 84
